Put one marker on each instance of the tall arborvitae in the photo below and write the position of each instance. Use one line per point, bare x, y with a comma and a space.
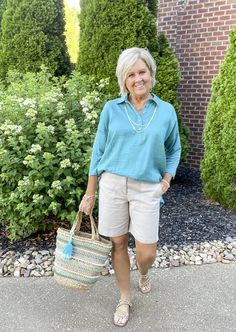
168, 79
32, 35
3, 5
152, 6
218, 168
108, 27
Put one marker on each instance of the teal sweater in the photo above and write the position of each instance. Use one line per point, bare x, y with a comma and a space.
144, 156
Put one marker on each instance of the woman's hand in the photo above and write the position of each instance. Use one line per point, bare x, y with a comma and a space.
87, 204
165, 185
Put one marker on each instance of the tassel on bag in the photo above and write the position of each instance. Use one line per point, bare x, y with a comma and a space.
68, 249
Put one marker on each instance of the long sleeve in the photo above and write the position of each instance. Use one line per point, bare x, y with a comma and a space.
99, 142
173, 147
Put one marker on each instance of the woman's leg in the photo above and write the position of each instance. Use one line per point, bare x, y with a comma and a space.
121, 264
145, 257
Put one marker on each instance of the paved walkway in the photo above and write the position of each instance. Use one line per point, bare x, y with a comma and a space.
191, 299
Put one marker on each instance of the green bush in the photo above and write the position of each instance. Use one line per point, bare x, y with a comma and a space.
46, 136
168, 80
32, 34
218, 167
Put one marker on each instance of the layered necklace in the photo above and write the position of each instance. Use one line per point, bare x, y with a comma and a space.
139, 128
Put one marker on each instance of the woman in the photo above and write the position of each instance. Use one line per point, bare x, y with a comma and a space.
135, 155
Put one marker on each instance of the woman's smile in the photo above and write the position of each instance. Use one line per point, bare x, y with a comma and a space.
138, 81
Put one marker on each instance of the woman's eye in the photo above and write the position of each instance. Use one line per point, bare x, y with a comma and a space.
131, 75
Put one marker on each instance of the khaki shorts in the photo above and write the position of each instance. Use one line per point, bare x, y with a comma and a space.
127, 205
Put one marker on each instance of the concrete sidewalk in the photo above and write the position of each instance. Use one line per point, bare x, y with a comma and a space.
191, 299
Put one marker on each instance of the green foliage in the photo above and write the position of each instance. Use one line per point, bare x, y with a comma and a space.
218, 168
108, 27
3, 5
2, 9
152, 6
46, 134
72, 31
32, 35
168, 79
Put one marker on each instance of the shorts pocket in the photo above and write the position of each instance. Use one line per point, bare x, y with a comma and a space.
159, 191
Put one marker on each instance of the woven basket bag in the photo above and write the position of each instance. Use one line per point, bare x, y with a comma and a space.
80, 257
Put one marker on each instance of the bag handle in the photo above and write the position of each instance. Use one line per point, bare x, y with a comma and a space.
77, 225
68, 249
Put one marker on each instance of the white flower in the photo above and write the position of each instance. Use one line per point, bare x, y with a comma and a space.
56, 185
70, 125
75, 166
23, 182
60, 146
48, 155
18, 129
29, 102
37, 198
50, 193
51, 129
85, 109
65, 163
35, 148
29, 159
82, 103
36, 183
31, 113
10, 129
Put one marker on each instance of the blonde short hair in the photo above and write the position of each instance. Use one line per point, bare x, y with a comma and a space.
127, 59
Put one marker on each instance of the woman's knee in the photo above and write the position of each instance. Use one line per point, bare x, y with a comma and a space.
120, 242
146, 253
147, 256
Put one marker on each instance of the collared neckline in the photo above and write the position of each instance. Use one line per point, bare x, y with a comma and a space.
125, 99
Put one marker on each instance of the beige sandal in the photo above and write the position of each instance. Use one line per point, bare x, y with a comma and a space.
121, 317
145, 285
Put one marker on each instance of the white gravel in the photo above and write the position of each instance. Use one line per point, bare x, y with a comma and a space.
32, 263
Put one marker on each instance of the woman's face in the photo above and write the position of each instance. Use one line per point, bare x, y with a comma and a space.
139, 81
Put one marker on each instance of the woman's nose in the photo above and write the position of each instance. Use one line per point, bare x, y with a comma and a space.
137, 78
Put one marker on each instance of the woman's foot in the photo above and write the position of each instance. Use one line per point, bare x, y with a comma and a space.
121, 315
144, 284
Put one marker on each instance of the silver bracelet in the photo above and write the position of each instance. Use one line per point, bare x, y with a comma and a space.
88, 197
166, 182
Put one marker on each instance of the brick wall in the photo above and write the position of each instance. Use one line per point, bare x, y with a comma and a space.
198, 31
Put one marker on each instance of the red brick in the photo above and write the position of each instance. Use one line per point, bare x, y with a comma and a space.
200, 39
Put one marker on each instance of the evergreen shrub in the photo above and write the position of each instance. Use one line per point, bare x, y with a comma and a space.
32, 34
168, 80
46, 134
218, 167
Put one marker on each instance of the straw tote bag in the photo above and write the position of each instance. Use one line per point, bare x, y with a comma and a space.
80, 257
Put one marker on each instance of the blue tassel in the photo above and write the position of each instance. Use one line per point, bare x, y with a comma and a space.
67, 251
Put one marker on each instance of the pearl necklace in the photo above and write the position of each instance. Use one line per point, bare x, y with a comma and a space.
143, 127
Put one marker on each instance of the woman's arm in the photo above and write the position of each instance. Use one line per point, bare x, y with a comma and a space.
91, 186
88, 200
165, 182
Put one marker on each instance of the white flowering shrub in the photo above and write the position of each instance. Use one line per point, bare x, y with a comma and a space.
46, 134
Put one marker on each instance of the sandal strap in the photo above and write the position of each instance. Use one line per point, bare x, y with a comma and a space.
122, 302
145, 282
